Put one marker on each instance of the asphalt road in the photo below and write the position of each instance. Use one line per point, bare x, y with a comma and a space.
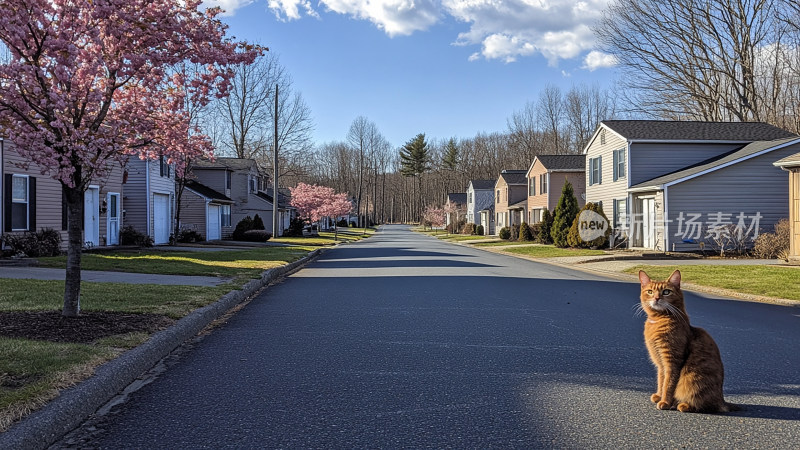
405, 341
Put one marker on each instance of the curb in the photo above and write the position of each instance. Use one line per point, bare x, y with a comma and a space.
74, 405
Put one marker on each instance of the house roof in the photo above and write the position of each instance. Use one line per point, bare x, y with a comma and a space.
665, 130
789, 161
207, 192
562, 162
514, 176
284, 197
482, 184
519, 205
226, 163
457, 198
718, 162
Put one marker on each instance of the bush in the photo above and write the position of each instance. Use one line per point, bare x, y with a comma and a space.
245, 224
774, 245
455, 227
468, 228
45, 242
131, 236
479, 230
295, 228
545, 227
536, 230
514, 232
574, 237
188, 235
258, 224
342, 223
504, 233
566, 210
525, 232
256, 236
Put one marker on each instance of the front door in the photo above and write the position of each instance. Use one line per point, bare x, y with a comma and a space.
91, 217
214, 229
648, 222
161, 219
112, 225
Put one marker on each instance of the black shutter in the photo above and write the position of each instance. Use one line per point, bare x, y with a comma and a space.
32, 203
63, 211
7, 203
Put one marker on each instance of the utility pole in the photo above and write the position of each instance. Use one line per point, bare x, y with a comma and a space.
275, 172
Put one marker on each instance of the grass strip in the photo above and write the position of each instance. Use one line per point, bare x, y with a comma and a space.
770, 281
501, 243
549, 251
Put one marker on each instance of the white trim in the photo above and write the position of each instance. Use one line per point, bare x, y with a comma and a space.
732, 162
108, 216
628, 165
689, 141
27, 201
666, 221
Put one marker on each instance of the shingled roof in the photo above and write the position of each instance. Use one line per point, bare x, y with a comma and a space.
514, 176
665, 130
207, 192
459, 198
563, 162
483, 184
225, 163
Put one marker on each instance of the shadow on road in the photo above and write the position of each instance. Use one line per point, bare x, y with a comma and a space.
766, 412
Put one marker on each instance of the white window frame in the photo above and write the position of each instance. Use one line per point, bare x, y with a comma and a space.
225, 213
619, 164
26, 201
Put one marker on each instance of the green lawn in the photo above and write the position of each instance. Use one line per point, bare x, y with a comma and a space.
771, 281
500, 243
549, 251
464, 237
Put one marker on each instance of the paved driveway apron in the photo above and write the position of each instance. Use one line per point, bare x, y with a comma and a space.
405, 341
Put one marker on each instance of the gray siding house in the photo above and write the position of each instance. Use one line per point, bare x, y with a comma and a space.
672, 185
480, 197
149, 198
205, 211
458, 202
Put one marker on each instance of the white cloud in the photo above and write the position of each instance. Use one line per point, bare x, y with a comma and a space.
229, 6
597, 60
504, 29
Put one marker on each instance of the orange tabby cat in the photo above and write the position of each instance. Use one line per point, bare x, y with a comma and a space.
690, 372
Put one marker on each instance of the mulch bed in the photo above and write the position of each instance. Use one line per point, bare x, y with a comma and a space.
88, 327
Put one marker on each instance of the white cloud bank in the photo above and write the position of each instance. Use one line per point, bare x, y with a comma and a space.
504, 29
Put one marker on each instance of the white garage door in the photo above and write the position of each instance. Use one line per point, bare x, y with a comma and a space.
214, 229
161, 219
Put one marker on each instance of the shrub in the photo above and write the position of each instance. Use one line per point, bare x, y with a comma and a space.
258, 224
454, 227
295, 229
774, 245
504, 233
45, 242
342, 223
574, 237
566, 210
188, 235
256, 236
535, 229
525, 232
245, 224
131, 236
514, 232
545, 226
479, 230
468, 228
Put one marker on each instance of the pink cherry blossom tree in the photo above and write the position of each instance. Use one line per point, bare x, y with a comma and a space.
315, 203
433, 217
338, 205
89, 84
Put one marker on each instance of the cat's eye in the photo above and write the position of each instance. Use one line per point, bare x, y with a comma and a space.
649, 292
666, 292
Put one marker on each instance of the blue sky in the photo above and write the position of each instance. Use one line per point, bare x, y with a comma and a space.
446, 68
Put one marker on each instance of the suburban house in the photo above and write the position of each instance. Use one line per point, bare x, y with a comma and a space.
510, 198
792, 165
546, 179
205, 211
286, 212
149, 198
237, 179
480, 197
32, 201
457, 203
675, 185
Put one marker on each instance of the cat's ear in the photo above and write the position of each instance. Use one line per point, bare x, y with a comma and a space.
675, 279
643, 278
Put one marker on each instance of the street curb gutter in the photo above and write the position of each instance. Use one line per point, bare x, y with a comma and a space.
74, 405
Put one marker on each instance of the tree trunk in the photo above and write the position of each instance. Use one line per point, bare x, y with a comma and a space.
72, 282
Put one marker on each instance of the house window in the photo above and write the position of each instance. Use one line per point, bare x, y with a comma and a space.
532, 185
225, 211
253, 184
227, 180
602, 137
620, 213
163, 167
543, 183
619, 164
19, 202
536, 215
497, 197
469, 197
596, 170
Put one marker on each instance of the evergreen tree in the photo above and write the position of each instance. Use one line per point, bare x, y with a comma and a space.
566, 210
525, 232
544, 227
415, 161
574, 239
450, 159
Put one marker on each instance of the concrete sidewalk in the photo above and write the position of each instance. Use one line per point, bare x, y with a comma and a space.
42, 273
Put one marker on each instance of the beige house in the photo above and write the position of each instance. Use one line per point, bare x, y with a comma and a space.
546, 179
32, 201
792, 165
510, 198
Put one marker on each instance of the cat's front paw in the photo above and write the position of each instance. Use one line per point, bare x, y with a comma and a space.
684, 407
655, 398
663, 405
